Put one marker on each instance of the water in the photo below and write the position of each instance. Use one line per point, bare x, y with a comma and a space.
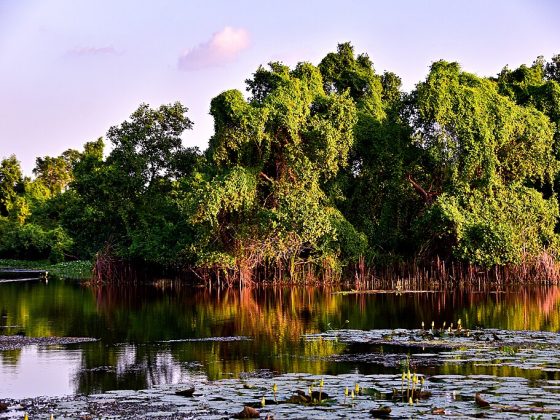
166, 334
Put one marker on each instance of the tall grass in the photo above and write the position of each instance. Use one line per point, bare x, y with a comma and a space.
404, 275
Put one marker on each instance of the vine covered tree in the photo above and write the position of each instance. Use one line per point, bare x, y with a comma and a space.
482, 153
372, 191
272, 154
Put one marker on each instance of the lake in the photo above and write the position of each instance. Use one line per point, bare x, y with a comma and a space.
167, 333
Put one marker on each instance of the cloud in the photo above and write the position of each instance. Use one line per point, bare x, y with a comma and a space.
91, 51
222, 48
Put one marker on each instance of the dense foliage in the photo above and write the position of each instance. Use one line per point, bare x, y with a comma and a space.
323, 166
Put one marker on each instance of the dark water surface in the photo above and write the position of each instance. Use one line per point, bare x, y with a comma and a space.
165, 333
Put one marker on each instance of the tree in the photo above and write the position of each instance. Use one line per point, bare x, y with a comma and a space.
127, 199
372, 190
482, 152
263, 203
146, 147
24, 232
11, 183
343, 71
56, 172
552, 68
537, 86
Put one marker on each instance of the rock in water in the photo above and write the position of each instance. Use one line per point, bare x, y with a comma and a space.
186, 392
480, 402
302, 397
3, 407
380, 412
422, 394
299, 398
247, 413
319, 395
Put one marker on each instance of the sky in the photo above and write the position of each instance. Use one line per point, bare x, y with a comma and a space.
70, 69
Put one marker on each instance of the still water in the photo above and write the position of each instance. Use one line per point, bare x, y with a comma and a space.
164, 333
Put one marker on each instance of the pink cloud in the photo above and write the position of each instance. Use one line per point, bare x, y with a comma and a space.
91, 51
222, 48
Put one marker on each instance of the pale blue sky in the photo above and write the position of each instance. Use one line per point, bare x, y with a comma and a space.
69, 69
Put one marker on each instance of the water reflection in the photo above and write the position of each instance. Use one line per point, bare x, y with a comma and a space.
38, 371
136, 327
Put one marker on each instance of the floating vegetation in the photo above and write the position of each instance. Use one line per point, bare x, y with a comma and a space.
12, 342
484, 350
440, 338
451, 395
209, 339
69, 269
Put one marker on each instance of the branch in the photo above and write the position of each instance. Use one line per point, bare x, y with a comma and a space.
428, 196
265, 176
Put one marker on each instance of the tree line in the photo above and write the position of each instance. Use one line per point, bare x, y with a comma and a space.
321, 166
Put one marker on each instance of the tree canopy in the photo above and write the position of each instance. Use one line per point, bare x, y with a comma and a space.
321, 166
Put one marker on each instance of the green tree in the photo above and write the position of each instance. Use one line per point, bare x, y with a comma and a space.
56, 172
343, 71
127, 200
482, 153
11, 183
24, 231
262, 202
537, 86
372, 191
146, 148
552, 69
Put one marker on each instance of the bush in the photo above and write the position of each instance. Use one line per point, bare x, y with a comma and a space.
31, 241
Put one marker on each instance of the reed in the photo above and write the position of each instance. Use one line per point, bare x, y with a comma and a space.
400, 276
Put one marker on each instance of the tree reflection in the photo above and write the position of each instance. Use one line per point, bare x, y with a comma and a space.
137, 325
